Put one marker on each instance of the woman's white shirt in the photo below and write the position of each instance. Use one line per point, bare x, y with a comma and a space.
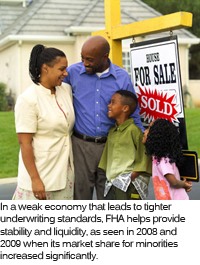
51, 119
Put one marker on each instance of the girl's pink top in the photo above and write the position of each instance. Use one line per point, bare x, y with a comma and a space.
162, 188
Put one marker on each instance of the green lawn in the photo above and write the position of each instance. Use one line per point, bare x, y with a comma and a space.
10, 148
192, 117
8, 145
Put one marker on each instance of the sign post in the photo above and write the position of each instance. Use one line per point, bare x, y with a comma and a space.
114, 32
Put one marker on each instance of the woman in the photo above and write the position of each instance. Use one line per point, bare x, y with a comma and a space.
44, 118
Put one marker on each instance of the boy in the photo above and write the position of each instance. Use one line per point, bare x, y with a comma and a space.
127, 166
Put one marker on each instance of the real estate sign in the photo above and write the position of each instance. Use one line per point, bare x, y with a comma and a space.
157, 81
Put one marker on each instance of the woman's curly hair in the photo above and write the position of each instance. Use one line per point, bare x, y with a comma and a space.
163, 141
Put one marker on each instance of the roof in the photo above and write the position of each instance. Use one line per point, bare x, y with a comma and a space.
61, 18
9, 12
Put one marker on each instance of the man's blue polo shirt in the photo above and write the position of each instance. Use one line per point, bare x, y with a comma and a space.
91, 96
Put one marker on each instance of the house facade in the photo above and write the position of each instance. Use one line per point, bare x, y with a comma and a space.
66, 24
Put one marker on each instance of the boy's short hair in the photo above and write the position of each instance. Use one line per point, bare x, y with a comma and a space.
128, 98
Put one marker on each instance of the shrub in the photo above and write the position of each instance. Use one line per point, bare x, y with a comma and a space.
3, 101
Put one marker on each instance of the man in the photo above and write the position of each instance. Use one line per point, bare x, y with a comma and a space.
94, 81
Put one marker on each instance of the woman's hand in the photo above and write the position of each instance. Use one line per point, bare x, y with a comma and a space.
38, 189
25, 141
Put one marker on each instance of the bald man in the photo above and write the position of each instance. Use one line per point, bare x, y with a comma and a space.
93, 82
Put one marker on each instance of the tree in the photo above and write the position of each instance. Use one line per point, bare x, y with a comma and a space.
172, 6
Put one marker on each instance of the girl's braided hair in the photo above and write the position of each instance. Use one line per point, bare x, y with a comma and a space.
163, 140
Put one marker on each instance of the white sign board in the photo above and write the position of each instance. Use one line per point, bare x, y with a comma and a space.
157, 82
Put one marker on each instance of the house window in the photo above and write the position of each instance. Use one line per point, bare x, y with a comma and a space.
126, 62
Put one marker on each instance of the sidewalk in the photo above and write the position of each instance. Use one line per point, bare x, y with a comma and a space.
8, 181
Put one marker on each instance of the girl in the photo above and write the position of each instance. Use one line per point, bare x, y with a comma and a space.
163, 143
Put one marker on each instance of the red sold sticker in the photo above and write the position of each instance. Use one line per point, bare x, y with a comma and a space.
155, 104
